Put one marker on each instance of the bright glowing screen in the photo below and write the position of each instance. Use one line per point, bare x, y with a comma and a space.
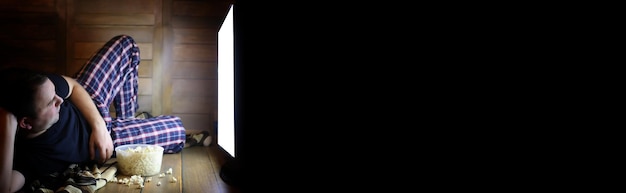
225, 85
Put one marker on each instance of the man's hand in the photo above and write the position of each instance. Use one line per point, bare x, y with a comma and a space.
100, 144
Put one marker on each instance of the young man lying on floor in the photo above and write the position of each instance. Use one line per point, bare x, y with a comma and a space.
49, 121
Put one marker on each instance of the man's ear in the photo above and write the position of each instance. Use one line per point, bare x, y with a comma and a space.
25, 123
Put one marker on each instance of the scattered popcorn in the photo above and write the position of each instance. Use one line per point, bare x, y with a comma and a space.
139, 180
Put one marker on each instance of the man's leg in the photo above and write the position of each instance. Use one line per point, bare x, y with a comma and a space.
164, 130
111, 76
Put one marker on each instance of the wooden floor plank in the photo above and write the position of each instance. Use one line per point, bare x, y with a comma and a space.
218, 158
115, 187
198, 171
169, 161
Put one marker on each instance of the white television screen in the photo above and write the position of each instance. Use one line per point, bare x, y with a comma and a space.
225, 91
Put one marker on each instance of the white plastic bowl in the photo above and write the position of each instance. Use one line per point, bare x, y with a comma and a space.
139, 159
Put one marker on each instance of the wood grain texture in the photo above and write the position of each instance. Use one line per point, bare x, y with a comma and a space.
85, 50
188, 104
114, 19
194, 87
116, 6
99, 33
145, 86
158, 64
202, 178
196, 169
22, 3
169, 161
145, 104
115, 187
218, 158
197, 122
145, 69
29, 31
195, 70
193, 22
177, 39
195, 36
193, 52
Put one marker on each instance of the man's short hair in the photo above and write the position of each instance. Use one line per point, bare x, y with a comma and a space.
19, 87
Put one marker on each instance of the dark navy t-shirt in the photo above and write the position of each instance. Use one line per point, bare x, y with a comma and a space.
64, 143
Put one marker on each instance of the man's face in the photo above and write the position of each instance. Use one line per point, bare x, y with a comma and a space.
47, 106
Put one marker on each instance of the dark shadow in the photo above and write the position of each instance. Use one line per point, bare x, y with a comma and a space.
231, 173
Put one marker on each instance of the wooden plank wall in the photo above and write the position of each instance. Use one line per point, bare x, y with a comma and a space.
194, 62
93, 22
177, 39
32, 34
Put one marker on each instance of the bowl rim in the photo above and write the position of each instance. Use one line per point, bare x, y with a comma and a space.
143, 145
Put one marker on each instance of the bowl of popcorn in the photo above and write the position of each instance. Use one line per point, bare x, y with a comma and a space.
139, 159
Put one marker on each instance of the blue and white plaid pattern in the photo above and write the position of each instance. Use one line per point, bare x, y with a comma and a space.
111, 76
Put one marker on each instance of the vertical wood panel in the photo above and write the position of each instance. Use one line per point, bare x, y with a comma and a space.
74, 63
194, 56
145, 103
145, 50
158, 62
145, 86
166, 32
145, 69
63, 62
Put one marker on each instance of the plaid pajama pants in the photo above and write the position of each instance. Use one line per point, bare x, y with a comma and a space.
110, 76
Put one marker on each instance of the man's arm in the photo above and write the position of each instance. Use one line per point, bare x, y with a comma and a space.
100, 142
10, 180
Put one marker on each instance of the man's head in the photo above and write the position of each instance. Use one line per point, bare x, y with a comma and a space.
31, 97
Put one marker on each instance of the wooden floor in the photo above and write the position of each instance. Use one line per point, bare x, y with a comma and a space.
196, 170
